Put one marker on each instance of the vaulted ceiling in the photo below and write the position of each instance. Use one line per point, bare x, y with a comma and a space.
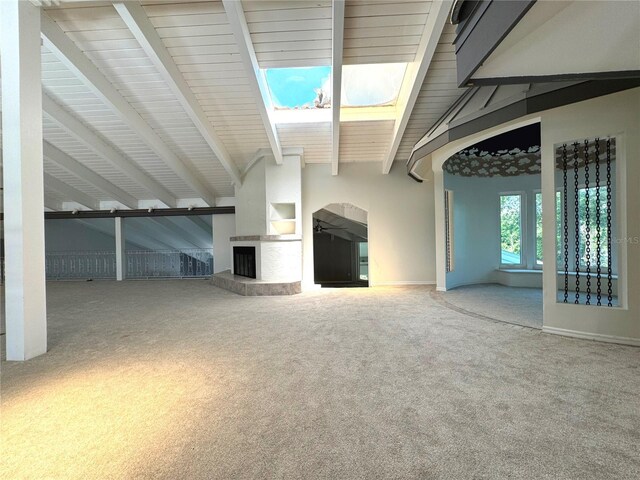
162, 102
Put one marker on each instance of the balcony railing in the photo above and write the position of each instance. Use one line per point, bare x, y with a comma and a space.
170, 263
190, 263
80, 265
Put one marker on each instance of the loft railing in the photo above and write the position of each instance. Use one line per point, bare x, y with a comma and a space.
190, 263
80, 265
169, 263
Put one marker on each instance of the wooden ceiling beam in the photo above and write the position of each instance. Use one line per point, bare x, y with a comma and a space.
415, 75
337, 45
77, 129
145, 33
70, 193
77, 169
257, 81
77, 62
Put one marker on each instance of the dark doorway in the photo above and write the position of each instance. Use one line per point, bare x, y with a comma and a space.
340, 248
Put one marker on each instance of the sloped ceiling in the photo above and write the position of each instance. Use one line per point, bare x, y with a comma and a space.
200, 41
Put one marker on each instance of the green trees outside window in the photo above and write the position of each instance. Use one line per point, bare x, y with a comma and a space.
539, 228
590, 232
511, 229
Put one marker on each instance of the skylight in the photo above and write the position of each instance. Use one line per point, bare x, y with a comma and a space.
305, 94
299, 88
372, 85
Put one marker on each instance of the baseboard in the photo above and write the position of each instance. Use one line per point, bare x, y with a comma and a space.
470, 284
441, 289
309, 287
402, 283
592, 336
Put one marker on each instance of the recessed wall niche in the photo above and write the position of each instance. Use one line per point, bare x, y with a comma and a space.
282, 218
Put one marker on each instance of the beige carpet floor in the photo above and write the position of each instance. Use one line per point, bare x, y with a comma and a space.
180, 380
520, 306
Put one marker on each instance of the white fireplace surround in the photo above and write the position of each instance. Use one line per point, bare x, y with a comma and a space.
278, 257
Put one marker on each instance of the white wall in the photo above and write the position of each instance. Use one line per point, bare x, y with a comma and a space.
266, 183
251, 212
583, 36
283, 185
476, 225
224, 227
400, 215
618, 115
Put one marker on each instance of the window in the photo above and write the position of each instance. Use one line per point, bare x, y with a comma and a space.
371, 85
587, 173
539, 241
539, 228
309, 88
511, 229
586, 256
448, 227
299, 88
363, 261
304, 94
592, 208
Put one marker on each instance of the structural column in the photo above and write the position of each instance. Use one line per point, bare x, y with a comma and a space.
25, 288
121, 258
441, 256
224, 227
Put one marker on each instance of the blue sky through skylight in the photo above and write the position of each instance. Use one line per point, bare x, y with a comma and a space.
309, 88
297, 87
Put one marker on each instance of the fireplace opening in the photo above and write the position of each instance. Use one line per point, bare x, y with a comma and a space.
244, 261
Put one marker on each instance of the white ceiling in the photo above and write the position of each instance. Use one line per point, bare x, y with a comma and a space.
608, 31
200, 41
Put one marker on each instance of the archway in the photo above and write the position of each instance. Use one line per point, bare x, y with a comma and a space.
493, 227
340, 246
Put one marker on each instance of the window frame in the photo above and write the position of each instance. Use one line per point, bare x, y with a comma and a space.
523, 229
536, 265
449, 231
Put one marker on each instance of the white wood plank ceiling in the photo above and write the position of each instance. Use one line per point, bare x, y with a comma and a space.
378, 31
107, 156
293, 33
439, 90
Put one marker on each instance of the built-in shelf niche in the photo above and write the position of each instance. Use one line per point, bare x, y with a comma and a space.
282, 218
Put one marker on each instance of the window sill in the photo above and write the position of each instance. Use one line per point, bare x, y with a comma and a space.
593, 274
518, 270
539, 271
